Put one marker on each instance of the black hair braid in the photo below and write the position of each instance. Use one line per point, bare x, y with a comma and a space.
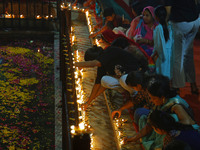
161, 14
165, 29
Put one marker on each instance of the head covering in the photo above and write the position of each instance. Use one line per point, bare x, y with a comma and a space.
151, 9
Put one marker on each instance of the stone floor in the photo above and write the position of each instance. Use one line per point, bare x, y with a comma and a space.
97, 114
104, 134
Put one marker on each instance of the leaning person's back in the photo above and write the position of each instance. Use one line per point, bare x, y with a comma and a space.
116, 57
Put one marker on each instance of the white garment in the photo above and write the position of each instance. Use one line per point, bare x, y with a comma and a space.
164, 50
183, 61
117, 84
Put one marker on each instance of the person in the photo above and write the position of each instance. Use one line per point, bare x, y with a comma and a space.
138, 5
165, 99
110, 37
81, 2
162, 37
120, 42
113, 62
103, 42
183, 15
129, 45
141, 29
120, 7
111, 21
164, 123
136, 80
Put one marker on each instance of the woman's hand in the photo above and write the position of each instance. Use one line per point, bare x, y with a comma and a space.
116, 112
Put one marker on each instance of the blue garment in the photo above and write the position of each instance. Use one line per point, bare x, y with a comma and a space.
154, 140
117, 8
139, 112
190, 137
164, 50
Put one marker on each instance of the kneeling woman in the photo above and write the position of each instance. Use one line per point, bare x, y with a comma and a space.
164, 124
164, 99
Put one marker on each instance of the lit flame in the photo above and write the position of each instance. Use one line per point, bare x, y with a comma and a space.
97, 42
72, 131
38, 17
72, 127
21, 16
81, 126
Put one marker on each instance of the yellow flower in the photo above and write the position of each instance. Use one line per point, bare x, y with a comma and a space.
17, 50
6, 132
29, 81
12, 147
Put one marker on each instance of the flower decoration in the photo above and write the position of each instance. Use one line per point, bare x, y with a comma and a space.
27, 95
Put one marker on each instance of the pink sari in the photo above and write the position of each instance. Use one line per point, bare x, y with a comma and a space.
138, 27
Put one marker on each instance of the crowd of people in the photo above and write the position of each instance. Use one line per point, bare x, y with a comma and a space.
150, 58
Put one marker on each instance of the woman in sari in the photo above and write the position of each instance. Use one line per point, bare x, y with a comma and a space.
164, 99
141, 29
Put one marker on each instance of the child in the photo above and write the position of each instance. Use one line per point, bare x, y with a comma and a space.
141, 29
136, 80
111, 21
162, 37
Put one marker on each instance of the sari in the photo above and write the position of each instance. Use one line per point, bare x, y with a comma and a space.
139, 28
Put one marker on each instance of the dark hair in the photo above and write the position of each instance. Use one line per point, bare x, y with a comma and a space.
120, 42
149, 12
164, 121
161, 13
159, 85
135, 77
177, 145
138, 6
93, 53
108, 12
